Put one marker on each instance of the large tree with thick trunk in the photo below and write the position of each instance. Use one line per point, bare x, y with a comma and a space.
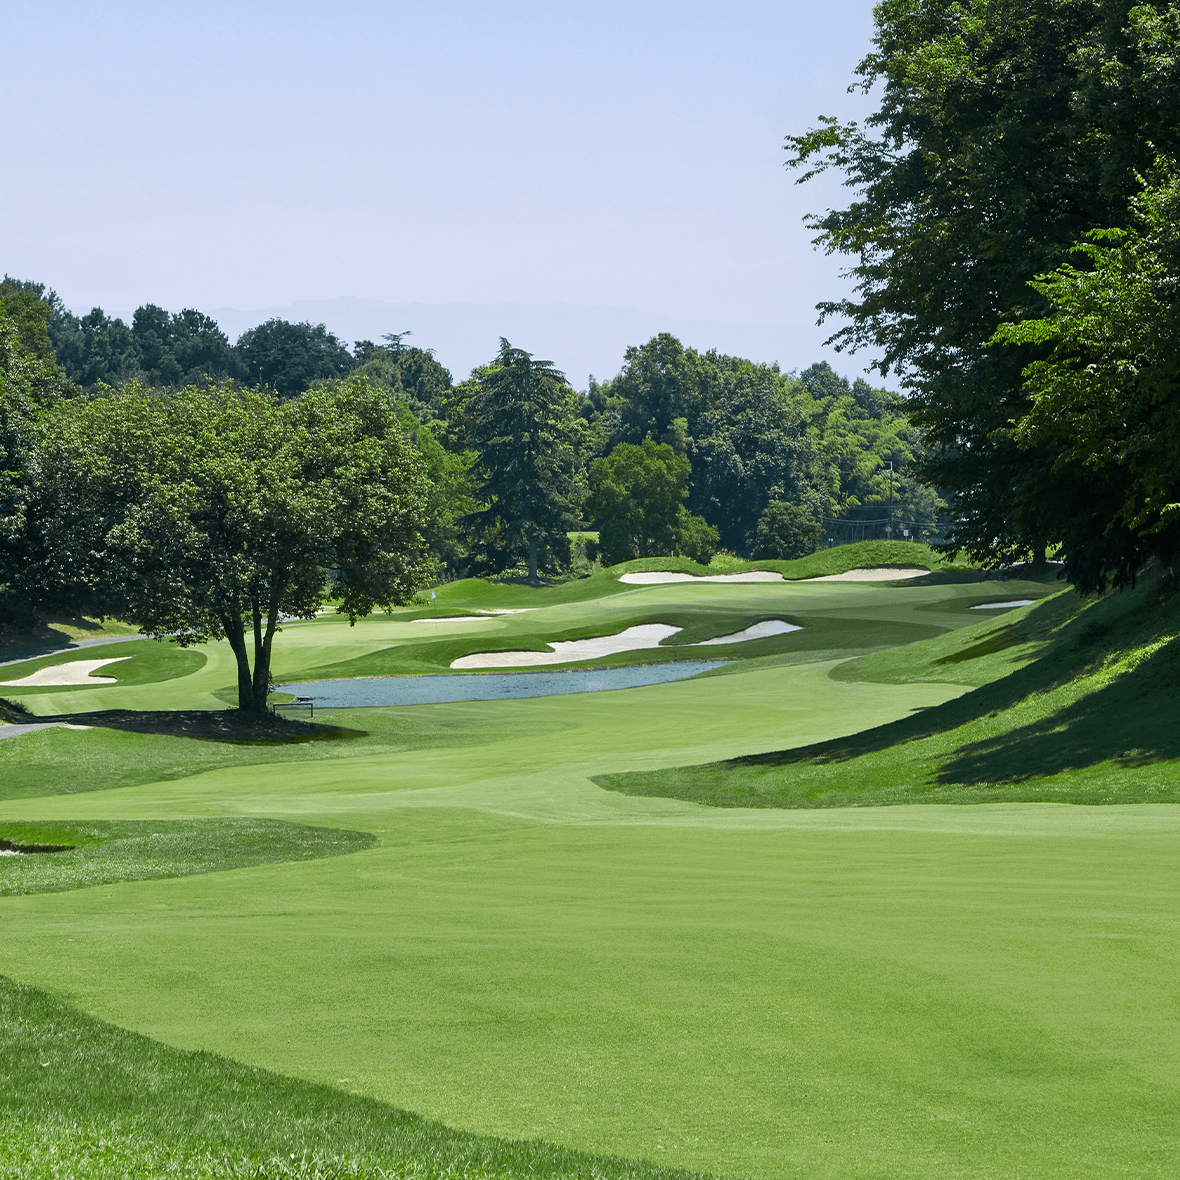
218, 512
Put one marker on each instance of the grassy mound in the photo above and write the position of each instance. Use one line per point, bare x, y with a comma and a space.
485, 594
79, 1097
71, 855
1075, 702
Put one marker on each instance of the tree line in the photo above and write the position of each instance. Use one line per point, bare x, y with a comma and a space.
841, 453
177, 494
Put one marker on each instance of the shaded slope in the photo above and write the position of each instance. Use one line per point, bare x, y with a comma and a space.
1076, 702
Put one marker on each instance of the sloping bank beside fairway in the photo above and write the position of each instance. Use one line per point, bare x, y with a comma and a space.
840, 992
1091, 714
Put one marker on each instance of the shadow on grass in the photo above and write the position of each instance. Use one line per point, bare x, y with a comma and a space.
228, 725
1134, 719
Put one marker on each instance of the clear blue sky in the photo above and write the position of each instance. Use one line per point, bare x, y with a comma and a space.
251, 155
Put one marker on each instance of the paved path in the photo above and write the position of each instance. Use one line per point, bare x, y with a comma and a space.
7, 731
65, 649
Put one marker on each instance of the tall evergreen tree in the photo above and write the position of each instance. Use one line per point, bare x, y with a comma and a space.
520, 417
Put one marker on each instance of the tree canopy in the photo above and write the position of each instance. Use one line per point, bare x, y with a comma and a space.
218, 511
1106, 394
1005, 131
636, 493
519, 417
289, 357
30, 383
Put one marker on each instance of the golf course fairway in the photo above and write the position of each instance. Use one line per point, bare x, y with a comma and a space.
912, 991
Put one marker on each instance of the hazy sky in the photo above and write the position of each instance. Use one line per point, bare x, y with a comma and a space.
251, 155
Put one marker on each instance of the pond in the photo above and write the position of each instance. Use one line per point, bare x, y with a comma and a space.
497, 686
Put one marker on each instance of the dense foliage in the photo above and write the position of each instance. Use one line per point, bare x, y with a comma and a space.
637, 496
1105, 401
1005, 132
217, 511
30, 383
519, 417
136, 457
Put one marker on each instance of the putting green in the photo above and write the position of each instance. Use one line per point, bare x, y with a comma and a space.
909, 991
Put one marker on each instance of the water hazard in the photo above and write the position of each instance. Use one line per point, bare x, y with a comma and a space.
488, 686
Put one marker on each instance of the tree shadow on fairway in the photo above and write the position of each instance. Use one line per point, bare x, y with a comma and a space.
1048, 627
1134, 720
1105, 688
218, 725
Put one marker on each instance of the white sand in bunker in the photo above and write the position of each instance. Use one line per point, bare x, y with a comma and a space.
757, 631
875, 573
646, 635
1003, 605
77, 672
569, 651
659, 577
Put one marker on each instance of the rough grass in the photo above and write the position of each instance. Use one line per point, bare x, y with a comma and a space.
99, 852
59, 761
1077, 702
488, 593
82, 1098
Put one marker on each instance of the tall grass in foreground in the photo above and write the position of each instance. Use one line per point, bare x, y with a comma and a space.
82, 1098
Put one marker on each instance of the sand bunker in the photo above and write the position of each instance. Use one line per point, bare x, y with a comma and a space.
658, 577
77, 672
1003, 605
633, 639
757, 631
882, 573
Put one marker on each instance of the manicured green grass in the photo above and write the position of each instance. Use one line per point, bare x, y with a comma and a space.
841, 620
141, 661
99, 852
79, 1097
61, 761
907, 991
1077, 702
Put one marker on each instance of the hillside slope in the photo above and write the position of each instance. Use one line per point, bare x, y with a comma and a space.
1076, 701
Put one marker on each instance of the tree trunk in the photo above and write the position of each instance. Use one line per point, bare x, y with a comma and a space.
235, 634
532, 559
262, 647
253, 687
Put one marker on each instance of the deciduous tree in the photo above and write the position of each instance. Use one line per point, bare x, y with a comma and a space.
1005, 131
636, 493
289, 357
1105, 396
218, 511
